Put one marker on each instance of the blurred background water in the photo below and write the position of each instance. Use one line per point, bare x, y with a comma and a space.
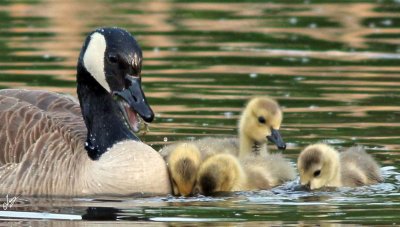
333, 65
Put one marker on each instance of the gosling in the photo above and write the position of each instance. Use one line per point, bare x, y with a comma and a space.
226, 173
183, 164
259, 122
320, 165
221, 173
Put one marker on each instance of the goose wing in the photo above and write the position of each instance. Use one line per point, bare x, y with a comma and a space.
33, 120
46, 101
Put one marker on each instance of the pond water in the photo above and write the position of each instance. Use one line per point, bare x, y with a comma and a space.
333, 65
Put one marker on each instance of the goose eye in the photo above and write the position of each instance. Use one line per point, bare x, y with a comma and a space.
112, 58
317, 173
261, 120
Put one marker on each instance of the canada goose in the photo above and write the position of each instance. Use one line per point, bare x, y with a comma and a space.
259, 122
48, 151
321, 165
225, 172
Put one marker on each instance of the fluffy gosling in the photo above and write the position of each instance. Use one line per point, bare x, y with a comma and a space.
183, 163
320, 165
226, 173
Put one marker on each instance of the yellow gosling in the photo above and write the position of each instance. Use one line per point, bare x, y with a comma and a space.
226, 173
221, 173
320, 165
183, 163
260, 121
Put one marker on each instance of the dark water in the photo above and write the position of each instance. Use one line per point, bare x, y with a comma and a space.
333, 65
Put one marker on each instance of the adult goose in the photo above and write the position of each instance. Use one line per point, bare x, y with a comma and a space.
48, 149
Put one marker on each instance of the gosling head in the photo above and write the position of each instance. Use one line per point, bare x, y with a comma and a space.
183, 164
220, 173
261, 120
318, 166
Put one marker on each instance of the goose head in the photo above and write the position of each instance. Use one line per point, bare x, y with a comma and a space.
260, 121
109, 87
318, 166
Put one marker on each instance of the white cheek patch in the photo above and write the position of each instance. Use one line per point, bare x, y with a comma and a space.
93, 59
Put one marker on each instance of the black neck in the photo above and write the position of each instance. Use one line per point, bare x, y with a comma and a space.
104, 121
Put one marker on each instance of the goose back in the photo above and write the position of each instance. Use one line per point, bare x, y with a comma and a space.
42, 130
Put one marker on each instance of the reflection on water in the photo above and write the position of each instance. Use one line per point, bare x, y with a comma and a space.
333, 66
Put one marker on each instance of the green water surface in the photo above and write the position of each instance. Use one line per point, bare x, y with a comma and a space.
333, 65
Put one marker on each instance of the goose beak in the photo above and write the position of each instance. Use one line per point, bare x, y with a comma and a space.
134, 97
276, 138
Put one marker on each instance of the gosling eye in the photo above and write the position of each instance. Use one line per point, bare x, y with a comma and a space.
112, 58
317, 173
261, 119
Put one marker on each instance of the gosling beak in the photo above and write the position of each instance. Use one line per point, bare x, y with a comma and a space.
276, 138
135, 98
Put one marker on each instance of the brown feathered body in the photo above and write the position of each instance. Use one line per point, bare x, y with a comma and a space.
43, 134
